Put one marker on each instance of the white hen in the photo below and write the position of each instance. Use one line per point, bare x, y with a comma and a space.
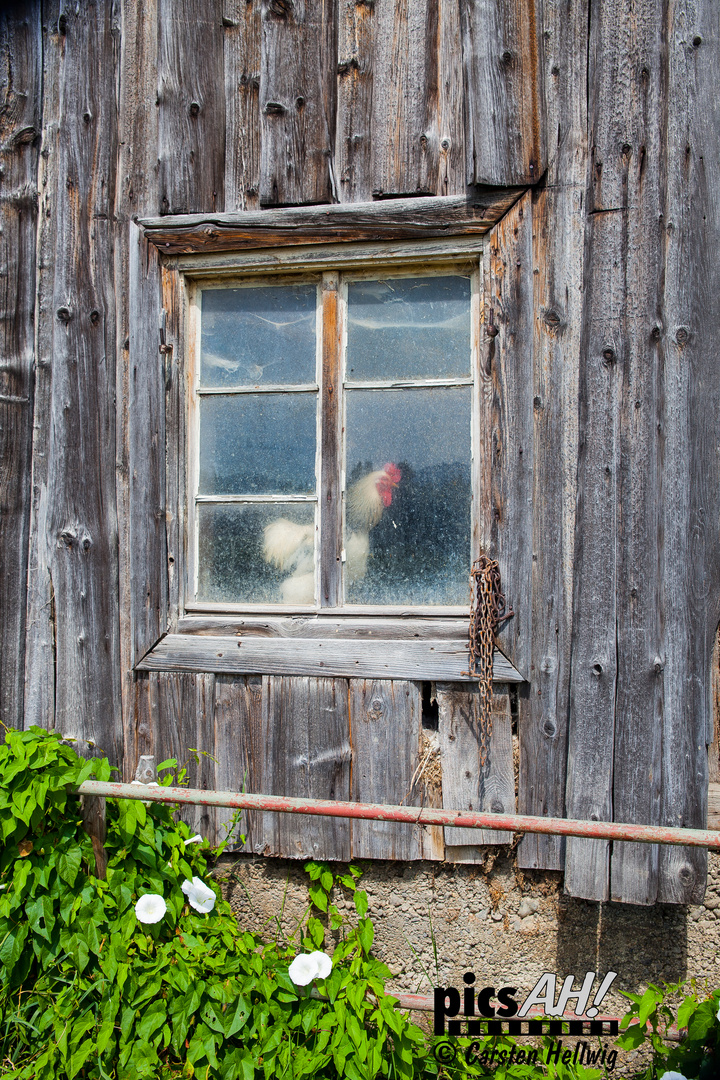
290, 546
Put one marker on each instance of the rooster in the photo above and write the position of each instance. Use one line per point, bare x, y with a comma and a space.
290, 546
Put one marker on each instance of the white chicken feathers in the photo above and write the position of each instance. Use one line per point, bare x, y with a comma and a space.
290, 546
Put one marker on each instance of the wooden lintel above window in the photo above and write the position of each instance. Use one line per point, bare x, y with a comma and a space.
387, 219
441, 661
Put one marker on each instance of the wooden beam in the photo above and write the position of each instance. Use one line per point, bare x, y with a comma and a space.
396, 219
422, 660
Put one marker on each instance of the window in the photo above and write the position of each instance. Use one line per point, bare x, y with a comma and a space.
327, 441
331, 431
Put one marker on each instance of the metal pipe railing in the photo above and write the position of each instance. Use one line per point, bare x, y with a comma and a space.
413, 815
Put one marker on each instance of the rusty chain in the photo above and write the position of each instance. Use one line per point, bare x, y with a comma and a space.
487, 611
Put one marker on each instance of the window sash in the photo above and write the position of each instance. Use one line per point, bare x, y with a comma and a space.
330, 386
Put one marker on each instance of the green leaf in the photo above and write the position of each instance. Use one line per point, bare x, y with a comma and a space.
318, 896
69, 864
366, 933
152, 1020
237, 1019
79, 1057
326, 880
361, 902
12, 946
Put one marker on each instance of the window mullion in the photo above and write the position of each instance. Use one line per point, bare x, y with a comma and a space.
330, 476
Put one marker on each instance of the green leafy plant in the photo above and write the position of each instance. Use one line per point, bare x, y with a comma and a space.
88, 990
697, 1055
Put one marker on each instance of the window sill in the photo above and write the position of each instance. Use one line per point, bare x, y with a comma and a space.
429, 659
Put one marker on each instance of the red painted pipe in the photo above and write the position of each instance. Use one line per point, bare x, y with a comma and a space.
414, 815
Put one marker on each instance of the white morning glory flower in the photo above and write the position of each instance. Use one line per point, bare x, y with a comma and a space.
673, 1076
196, 839
150, 908
199, 895
309, 966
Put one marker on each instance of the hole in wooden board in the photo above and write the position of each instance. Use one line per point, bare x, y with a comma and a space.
430, 710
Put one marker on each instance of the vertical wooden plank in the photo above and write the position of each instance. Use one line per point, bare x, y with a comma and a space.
405, 98
241, 22
136, 193
616, 702
175, 364
39, 690
20, 89
691, 572
238, 731
331, 443
631, 177
451, 102
354, 143
146, 451
400, 100
185, 730
504, 101
306, 753
385, 732
506, 452
714, 751
558, 246
297, 102
74, 566
466, 783
191, 106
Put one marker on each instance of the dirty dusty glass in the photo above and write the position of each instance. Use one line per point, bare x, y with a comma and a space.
256, 444
406, 443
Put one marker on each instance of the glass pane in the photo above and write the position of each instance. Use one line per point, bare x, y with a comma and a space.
258, 336
407, 532
257, 444
256, 553
408, 328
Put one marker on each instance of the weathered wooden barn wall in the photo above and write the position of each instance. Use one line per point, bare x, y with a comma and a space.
603, 387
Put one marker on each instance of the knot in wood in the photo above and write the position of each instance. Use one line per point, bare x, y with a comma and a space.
492, 330
682, 335
697, 41
94, 316
194, 109
280, 9
274, 108
597, 669
549, 729
656, 333
64, 314
609, 356
551, 319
